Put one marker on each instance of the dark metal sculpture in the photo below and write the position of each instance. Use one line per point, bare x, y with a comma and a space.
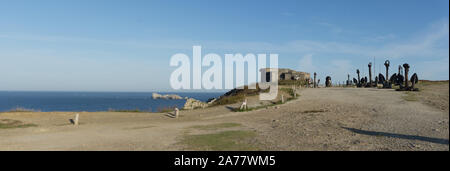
387, 83
381, 79
358, 83
370, 75
393, 79
364, 82
414, 80
315, 84
397, 79
400, 77
406, 66
328, 81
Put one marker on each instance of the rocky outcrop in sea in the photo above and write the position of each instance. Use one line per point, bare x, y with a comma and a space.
190, 104
167, 96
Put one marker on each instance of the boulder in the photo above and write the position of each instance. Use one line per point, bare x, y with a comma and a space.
211, 101
194, 104
156, 96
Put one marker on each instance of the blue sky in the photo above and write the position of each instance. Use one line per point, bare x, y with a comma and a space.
118, 45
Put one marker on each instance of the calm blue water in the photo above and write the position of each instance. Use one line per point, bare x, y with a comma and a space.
92, 101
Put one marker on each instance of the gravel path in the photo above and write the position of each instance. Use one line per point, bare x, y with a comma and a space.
353, 119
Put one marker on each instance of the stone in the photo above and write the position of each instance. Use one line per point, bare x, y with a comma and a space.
177, 112
244, 105
194, 104
211, 101
294, 90
77, 116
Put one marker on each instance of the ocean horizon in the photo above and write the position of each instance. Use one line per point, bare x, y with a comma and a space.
79, 101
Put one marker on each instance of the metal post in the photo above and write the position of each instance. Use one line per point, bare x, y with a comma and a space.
370, 74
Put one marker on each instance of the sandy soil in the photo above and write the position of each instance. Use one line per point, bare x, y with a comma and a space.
321, 119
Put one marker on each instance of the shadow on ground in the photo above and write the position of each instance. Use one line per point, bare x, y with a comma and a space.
232, 109
401, 136
170, 115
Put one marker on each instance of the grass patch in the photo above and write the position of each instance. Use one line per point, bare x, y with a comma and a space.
21, 109
290, 91
69, 124
231, 99
141, 127
315, 111
166, 109
263, 106
293, 82
159, 110
9, 123
128, 111
216, 126
221, 141
395, 87
255, 108
238, 95
426, 82
410, 96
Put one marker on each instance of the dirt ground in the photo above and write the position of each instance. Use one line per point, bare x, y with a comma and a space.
320, 119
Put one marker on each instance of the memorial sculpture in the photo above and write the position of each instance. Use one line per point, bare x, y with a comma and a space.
414, 80
387, 83
358, 84
369, 83
315, 83
328, 81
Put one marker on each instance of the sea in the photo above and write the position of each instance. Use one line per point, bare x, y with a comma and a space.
94, 101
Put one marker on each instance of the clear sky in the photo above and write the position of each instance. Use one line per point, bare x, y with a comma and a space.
118, 45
